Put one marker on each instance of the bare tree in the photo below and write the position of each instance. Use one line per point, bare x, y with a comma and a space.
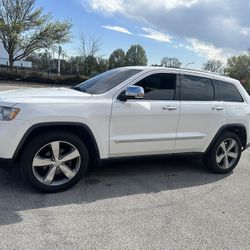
88, 53
171, 62
214, 66
24, 29
89, 46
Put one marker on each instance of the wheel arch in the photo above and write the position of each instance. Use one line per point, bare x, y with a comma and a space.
238, 129
79, 129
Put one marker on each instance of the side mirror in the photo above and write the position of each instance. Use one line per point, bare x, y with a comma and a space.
132, 92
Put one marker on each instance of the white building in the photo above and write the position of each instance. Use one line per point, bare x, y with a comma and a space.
5, 61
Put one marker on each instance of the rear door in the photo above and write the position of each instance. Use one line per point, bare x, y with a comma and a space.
232, 100
201, 114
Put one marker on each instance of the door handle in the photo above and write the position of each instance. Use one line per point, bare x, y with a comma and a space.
170, 108
217, 108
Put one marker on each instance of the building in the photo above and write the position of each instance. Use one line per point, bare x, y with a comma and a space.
4, 61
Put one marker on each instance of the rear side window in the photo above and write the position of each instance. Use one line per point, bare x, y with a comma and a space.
227, 92
194, 88
159, 86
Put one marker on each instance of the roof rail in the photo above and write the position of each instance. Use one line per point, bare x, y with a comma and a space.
204, 71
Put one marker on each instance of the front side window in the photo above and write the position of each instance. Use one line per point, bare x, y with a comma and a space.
159, 86
106, 81
195, 88
227, 92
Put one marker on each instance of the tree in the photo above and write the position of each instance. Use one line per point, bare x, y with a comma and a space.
136, 56
171, 62
88, 53
91, 65
25, 29
117, 59
44, 60
74, 65
103, 65
214, 66
34, 59
239, 67
89, 46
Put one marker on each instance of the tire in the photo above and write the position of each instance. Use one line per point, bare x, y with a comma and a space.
54, 161
220, 158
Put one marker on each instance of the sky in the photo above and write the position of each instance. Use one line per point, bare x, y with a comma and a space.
194, 31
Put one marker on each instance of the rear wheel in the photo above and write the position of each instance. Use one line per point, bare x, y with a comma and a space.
225, 153
55, 161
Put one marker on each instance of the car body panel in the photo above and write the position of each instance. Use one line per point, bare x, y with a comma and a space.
198, 124
140, 127
125, 129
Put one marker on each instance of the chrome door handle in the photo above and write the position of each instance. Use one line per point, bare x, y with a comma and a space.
170, 108
217, 108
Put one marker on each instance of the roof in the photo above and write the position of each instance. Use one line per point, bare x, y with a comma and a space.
186, 70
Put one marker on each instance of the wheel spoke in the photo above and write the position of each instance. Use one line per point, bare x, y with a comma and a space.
219, 158
50, 176
232, 155
223, 147
226, 162
69, 173
55, 146
231, 145
41, 162
70, 156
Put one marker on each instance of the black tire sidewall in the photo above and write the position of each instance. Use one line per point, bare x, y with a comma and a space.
37, 143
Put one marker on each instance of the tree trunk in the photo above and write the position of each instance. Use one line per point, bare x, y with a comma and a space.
11, 62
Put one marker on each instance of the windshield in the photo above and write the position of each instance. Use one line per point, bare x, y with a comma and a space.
106, 81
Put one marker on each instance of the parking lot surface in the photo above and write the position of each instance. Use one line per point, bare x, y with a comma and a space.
156, 203
9, 85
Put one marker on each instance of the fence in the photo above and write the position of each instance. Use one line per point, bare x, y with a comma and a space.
22, 69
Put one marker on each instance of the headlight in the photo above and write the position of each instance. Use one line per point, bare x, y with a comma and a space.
7, 113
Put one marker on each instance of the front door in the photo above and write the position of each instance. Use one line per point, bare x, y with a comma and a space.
147, 126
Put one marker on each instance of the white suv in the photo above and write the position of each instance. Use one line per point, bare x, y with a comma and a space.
58, 133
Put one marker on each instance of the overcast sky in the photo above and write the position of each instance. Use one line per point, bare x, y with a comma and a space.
192, 30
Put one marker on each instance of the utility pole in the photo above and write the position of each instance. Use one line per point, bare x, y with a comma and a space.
77, 65
59, 61
189, 64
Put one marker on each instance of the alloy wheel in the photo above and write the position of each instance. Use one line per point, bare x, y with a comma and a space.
56, 163
227, 153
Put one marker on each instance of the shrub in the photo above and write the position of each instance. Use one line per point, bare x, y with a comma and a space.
41, 77
33, 77
6, 75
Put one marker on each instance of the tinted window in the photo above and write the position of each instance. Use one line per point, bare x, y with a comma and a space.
159, 86
106, 81
227, 92
195, 88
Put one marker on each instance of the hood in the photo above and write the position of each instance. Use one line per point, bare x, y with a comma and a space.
41, 95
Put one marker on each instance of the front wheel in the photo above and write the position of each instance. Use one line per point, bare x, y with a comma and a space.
225, 153
54, 161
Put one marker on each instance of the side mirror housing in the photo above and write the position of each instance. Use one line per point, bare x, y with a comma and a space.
132, 92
